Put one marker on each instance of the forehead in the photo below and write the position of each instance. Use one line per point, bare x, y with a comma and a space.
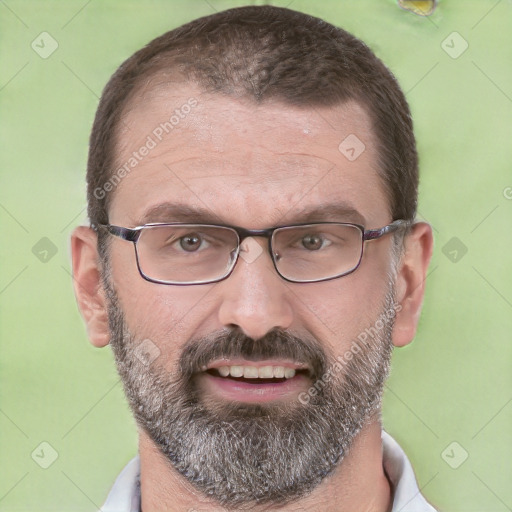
244, 163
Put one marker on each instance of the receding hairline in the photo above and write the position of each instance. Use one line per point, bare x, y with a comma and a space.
159, 84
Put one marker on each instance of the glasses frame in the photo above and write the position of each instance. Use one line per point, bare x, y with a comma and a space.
133, 235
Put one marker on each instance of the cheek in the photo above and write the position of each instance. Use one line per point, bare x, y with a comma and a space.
163, 311
166, 315
337, 311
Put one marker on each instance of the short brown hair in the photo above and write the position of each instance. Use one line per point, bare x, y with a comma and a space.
264, 52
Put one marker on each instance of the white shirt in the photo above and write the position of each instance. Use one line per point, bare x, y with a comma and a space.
125, 493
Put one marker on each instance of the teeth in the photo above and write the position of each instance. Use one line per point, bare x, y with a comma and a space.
279, 372
236, 371
266, 372
289, 373
252, 372
224, 371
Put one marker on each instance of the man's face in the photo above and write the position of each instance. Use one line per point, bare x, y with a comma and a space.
252, 166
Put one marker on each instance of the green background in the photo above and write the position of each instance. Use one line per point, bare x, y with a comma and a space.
453, 384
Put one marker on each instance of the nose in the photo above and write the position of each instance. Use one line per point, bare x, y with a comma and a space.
254, 297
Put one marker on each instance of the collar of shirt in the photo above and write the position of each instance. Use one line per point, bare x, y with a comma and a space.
125, 493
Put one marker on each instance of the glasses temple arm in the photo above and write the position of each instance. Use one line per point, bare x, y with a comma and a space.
373, 234
128, 234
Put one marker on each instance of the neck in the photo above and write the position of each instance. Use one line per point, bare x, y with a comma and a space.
359, 484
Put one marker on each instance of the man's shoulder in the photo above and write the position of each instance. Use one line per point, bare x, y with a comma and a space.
124, 496
407, 496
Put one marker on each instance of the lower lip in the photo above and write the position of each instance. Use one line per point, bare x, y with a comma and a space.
235, 390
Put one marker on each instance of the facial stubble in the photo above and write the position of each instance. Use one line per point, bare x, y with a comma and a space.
241, 454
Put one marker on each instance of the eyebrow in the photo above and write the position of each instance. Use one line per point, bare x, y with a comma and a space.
178, 212
331, 212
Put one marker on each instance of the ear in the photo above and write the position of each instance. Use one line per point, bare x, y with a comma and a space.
89, 291
410, 283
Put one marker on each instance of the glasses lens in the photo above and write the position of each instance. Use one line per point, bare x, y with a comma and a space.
420, 7
186, 254
317, 251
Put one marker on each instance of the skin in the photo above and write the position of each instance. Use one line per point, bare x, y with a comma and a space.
255, 167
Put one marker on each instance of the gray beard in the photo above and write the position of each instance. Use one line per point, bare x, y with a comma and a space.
241, 454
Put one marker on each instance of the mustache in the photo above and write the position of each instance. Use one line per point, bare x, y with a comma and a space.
233, 343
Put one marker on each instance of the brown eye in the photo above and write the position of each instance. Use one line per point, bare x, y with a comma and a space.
312, 242
190, 243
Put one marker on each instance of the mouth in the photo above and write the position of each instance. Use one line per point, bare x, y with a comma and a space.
254, 381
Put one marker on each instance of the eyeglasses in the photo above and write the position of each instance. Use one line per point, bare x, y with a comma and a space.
186, 254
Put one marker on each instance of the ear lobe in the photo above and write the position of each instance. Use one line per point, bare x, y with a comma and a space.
410, 283
87, 284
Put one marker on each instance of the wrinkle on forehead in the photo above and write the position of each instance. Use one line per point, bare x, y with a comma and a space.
249, 160
256, 170
215, 114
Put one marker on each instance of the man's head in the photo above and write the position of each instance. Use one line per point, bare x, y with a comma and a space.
253, 387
